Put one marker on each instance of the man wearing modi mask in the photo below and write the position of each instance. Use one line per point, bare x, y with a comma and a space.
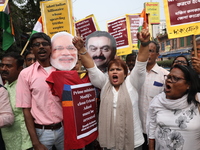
64, 54
64, 58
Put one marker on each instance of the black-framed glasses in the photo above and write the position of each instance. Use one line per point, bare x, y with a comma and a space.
152, 51
198, 50
173, 79
180, 61
38, 44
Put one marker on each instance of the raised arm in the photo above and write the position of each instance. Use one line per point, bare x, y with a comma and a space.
138, 74
144, 37
196, 64
86, 60
97, 77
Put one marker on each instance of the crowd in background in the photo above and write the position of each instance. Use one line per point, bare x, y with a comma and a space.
141, 105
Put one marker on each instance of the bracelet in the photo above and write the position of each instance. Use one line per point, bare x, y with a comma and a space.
83, 53
145, 43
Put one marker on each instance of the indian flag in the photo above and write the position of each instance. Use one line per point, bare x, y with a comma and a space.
6, 25
38, 26
142, 23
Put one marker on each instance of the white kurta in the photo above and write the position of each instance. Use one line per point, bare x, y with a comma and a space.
133, 83
174, 124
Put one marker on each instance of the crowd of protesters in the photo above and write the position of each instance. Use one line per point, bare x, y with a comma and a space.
141, 105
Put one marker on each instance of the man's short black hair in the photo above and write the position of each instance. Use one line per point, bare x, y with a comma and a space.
132, 54
27, 53
40, 35
157, 46
17, 56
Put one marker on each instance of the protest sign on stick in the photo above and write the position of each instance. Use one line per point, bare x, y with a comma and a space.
182, 18
57, 16
86, 26
118, 29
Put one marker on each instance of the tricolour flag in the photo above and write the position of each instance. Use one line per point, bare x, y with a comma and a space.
38, 26
5, 24
142, 23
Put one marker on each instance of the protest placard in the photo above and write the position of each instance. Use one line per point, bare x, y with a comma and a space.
57, 16
86, 26
182, 17
132, 28
118, 29
152, 8
84, 103
3, 3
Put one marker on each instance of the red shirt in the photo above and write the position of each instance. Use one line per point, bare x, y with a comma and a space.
56, 81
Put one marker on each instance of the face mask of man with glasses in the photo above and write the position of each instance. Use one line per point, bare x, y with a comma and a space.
64, 54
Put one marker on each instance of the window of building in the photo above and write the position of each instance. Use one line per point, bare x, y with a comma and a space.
162, 46
189, 40
182, 42
174, 43
167, 42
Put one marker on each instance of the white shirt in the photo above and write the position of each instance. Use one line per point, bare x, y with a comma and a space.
153, 85
133, 83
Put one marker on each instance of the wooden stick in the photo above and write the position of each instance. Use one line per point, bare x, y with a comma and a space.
194, 45
24, 48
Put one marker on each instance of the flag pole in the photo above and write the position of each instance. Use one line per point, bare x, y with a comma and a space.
24, 48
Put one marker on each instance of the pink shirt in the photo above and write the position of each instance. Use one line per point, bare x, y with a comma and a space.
33, 92
6, 114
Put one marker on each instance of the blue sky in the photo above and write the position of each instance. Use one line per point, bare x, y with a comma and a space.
105, 10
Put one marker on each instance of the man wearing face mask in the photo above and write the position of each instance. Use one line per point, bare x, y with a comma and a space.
101, 46
64, 58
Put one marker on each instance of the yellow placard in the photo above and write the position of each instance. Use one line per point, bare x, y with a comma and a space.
132, 28
57, 16
3, 4
182, 18
153, 9
118, 29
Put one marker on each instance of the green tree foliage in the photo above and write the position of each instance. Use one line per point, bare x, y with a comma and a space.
23, 20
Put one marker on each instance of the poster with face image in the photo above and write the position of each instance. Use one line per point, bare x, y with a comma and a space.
101, 46
64, 54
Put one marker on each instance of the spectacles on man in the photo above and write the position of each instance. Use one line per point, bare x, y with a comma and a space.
173, 79
152, 51
38, 44
69, 48
180, 61
198, 50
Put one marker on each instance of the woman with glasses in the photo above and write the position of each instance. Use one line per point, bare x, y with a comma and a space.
173, 117
181, 60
